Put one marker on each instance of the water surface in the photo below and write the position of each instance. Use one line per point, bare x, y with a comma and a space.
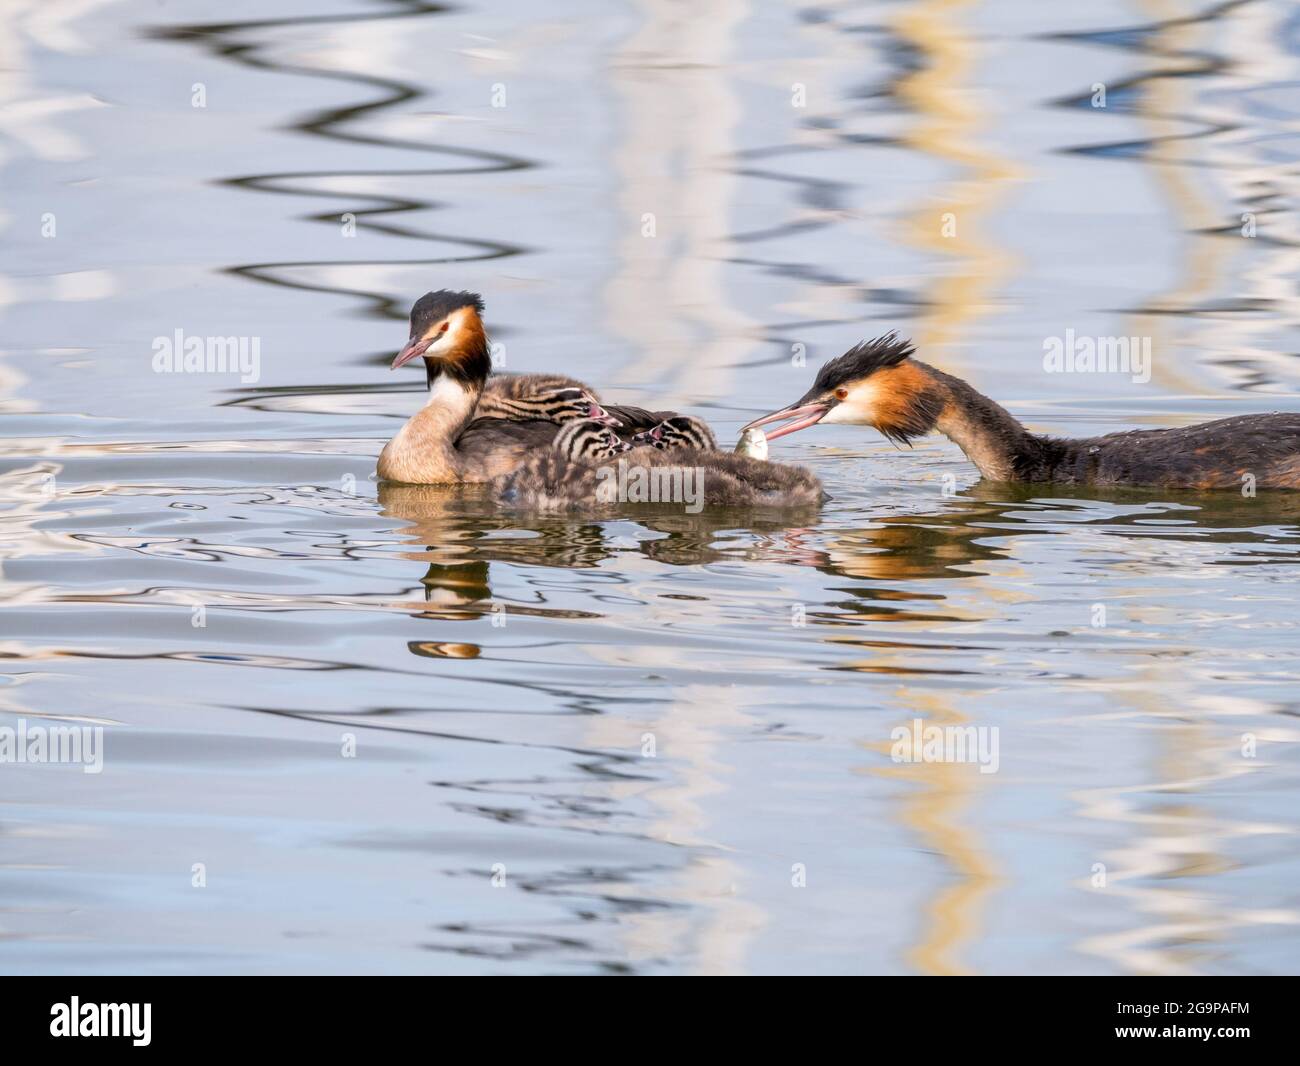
206, 568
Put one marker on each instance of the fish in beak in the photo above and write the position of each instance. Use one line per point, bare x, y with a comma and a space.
752, 442
803, 413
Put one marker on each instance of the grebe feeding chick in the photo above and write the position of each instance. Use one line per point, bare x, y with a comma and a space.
879, 384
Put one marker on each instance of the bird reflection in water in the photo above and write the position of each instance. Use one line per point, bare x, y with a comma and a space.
456, 524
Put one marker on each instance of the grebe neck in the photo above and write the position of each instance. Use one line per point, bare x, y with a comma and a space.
424, 450
990, 436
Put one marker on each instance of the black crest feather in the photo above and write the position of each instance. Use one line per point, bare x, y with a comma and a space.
433, 306
862, 360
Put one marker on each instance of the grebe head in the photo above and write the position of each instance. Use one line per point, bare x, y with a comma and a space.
570, 404
587, 440
443, 324
680, 431
876, 383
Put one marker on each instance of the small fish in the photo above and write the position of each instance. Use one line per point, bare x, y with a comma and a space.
753, 442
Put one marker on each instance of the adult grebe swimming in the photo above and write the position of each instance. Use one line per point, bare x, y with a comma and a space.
475, 427
879, 384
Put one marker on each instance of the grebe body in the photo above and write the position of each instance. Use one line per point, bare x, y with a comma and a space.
475, 427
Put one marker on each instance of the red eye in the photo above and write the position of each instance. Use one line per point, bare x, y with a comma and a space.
841, 394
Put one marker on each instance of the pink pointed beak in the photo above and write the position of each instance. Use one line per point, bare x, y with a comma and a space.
807, 415
415, 346
599, 414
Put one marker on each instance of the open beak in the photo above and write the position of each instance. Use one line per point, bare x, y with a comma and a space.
415, 346
599, 414
807, 415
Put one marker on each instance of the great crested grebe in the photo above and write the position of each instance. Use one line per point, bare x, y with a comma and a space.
450, 440
879, 384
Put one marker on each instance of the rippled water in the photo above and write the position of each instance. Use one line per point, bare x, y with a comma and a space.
206, 568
